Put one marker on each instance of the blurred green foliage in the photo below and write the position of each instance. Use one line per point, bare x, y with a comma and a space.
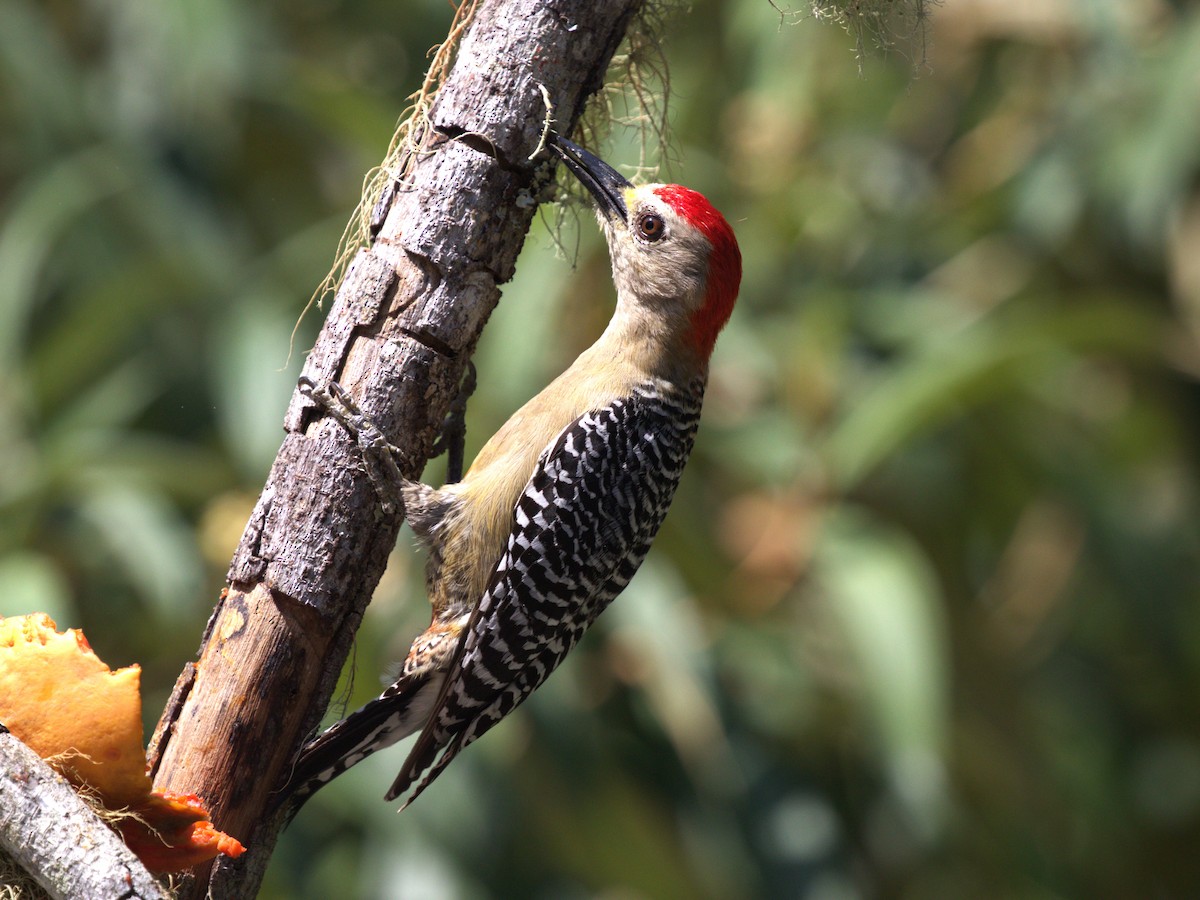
923, 622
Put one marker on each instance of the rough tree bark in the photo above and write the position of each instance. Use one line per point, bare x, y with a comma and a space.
398, 335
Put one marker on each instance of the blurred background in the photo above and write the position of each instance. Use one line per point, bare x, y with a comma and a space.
924, 620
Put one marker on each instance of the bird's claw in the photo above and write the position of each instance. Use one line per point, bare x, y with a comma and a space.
378, 454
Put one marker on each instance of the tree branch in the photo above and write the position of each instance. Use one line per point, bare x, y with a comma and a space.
50, 833
401, 328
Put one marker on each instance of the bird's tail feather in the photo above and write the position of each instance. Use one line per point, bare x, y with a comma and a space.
394, 715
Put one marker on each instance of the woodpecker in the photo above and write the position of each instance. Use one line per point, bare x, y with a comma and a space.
559, 508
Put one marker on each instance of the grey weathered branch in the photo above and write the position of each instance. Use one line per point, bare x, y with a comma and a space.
51, 833
404, 322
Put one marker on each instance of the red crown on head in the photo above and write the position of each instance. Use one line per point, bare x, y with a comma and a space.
724, 262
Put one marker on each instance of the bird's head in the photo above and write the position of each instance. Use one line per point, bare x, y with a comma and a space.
674, 256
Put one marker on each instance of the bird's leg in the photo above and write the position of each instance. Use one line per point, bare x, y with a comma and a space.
379, 455
454, 429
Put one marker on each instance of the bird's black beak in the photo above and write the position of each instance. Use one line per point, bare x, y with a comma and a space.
604, 182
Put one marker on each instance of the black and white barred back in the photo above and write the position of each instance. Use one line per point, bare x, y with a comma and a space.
581, 529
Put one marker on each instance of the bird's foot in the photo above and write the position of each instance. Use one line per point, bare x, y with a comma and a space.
379, 455
454, 428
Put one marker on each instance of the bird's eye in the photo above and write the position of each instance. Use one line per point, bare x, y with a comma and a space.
650, 226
